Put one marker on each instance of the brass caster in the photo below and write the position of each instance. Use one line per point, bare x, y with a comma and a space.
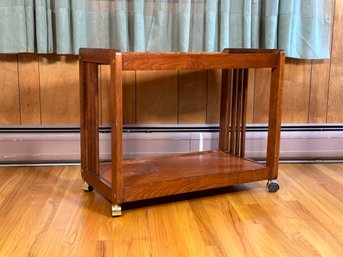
116, 210
273, 186
86, 187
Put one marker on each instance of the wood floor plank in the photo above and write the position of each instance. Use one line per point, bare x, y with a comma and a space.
43, 212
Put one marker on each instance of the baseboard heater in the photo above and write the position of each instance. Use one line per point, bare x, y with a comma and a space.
52, 145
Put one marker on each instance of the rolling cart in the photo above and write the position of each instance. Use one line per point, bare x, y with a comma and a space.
122, 181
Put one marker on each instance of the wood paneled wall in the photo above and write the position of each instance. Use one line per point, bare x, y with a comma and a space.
44, 90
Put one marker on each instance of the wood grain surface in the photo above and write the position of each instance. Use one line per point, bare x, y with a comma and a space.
59, 82
296, 91
251, 96
56, 218
192, 100
170, 175
30, 104
197, 60
335, 103
262, 93
129, 95
213, 96
319, 91
9, 97
157, 97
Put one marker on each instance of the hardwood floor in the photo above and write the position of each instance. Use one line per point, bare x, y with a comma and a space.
44, 212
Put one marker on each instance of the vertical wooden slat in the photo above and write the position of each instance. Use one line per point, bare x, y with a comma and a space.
59, 89
225, 112
116, 114
233, 110
239, 110
93, 110
9, 96
105, 75
274, 121
29, 89
250, 96
90, 120
192, 97
157, 97
213, 96
84, 132
244, 111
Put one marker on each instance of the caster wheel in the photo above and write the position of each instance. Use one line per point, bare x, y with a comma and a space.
86, 187
116, 210
273, 186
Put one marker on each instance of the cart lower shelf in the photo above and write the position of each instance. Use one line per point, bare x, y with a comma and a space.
175, 174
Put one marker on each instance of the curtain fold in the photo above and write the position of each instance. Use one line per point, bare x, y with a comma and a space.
300, 27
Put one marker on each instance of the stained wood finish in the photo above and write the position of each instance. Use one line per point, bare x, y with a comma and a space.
116, 119
225, 110
274, 120
233, 111
92, 116
335, 103
104, 80
197, 61
29, 84
129, 96
96, 55
319, 91
9, 97
296, 91
213, 96
250, 96
157, 97
56, 218
89, 100
192, 97
191, 172
262, 93
185, 173
59, 89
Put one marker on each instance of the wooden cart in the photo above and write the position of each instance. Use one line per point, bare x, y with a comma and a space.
123, 181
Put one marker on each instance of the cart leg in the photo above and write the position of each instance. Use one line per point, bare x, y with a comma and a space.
86, 187
273, 185
116, 210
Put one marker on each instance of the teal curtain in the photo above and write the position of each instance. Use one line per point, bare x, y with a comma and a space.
300, 27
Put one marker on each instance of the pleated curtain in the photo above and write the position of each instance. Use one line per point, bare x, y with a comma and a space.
300, 27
